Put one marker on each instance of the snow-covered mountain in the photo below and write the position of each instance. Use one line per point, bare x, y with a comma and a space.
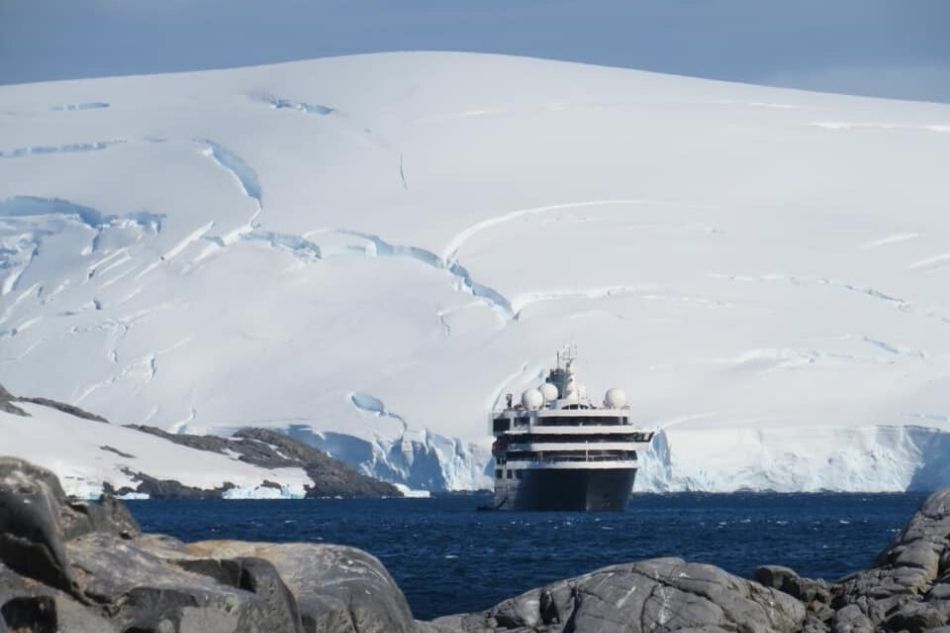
85, 454
91, 456
370, 251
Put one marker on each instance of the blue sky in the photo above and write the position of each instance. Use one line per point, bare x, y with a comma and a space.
891, 48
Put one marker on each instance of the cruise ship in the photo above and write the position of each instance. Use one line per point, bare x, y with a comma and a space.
556, 450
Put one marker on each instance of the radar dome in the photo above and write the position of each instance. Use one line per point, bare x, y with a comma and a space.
615, 399
549, 391
532, 399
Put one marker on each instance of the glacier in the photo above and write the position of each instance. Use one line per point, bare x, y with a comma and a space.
368, 252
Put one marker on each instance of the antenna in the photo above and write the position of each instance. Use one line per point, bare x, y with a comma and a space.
569, 353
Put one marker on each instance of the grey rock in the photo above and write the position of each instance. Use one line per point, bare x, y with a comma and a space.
665, 594
338, 589
449, 624
27, 605
89, 551
787, 581
108, 515
136, 589
820, 611
75, 617
30, 613
7, 406
34, 521
257, 576
904, 571
915, 617
814, 624
850, 619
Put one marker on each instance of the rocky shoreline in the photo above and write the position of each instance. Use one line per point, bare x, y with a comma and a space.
80, 567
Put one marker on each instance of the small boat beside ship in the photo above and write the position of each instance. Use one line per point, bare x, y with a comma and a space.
556, 450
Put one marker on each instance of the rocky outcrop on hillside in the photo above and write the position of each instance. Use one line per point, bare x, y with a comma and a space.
271, 449
78, 567
265, 448
8, 403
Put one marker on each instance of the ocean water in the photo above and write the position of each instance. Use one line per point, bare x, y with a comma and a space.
449, 558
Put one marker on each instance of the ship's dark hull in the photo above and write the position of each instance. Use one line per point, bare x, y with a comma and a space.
571, 490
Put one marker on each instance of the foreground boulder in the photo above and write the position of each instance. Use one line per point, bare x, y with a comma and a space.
86, 568
909, 587
72, 567
665, 594
337, 588
907, 591
36, 521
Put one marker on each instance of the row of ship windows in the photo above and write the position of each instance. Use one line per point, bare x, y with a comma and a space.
564, 437
574, 456
504, 424
512, 474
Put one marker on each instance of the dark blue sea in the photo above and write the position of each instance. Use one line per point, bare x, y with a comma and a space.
448, 558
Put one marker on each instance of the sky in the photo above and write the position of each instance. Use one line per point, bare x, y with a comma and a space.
886, 48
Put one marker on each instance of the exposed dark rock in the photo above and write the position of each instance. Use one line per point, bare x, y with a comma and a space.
58, 608
171, 489
661, 594
257, 576
65, 408
111, 449
337, 588
260, 447
850, 619
34, 613
330, 476
6, 403
787, 581
114, 579
905, 573
134, 587
212, 443
915, 617
816, 624
108, 515
34, 521
271, 449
